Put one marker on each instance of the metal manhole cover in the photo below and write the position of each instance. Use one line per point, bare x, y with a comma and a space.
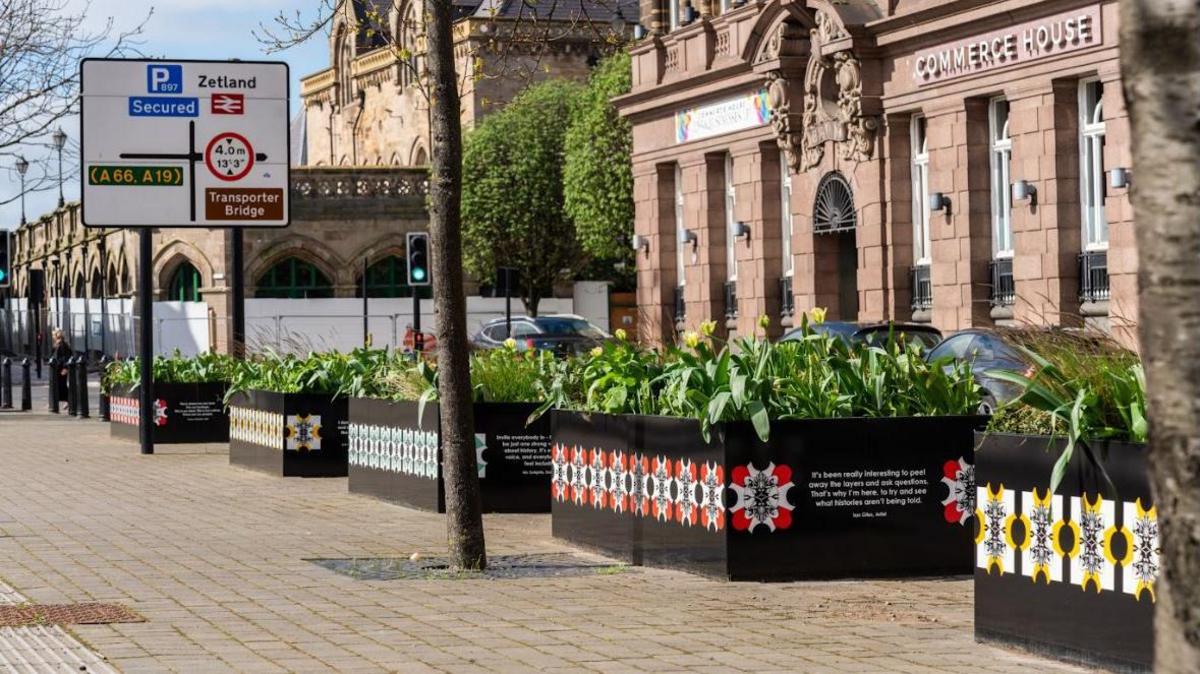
547, 565
21, 615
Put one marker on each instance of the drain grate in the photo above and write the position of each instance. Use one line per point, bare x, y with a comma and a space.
21, 615
547, 565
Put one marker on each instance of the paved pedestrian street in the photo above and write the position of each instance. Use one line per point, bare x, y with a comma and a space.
216, 561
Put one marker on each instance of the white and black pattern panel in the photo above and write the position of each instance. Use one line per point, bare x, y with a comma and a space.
393, 449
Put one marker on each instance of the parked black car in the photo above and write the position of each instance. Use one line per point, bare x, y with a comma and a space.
562, 334
924, 336
985, 350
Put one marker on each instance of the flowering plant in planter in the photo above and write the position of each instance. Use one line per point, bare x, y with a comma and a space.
1081, 387
363, 372
755, 380
203, 368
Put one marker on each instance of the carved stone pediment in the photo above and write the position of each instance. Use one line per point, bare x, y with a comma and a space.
832, 108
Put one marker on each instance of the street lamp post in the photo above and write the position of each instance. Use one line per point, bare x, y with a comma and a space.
60, 140
22, 168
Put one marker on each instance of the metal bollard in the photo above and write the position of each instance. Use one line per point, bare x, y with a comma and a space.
26, 387
6, 400
71, 362
105, 405
81, 398
54, 366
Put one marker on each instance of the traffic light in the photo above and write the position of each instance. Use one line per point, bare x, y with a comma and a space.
5, 259
418, 259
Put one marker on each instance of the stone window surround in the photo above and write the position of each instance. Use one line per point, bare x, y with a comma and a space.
1000, 145
919, 171
1091, 166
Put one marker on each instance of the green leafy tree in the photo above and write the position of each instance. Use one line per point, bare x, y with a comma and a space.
598, 175
512, 201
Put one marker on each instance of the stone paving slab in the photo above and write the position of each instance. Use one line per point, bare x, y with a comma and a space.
214, 557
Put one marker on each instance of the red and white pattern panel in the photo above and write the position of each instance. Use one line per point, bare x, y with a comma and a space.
679, 490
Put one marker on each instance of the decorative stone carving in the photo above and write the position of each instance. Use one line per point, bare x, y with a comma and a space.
787, 124
827, 29
788, 39
833, 110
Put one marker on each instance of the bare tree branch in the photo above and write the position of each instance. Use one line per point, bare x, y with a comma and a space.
41, 44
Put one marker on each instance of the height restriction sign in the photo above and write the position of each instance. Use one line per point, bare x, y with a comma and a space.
185, 143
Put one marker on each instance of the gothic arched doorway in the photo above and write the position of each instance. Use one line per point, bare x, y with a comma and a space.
835, 221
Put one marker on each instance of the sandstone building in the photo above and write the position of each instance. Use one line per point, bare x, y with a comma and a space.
959, 163
366, 142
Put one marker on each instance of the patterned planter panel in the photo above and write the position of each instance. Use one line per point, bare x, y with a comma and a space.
290, 435
823, 498
183, 413
1069, 574
829, 498
394, 458
599, 484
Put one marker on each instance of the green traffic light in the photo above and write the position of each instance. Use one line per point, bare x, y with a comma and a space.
3, 275
419, 274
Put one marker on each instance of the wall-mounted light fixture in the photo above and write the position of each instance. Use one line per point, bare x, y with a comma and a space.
1022, 190
640, 243
689, 15
939, 202
687, 236
741, 229
1119, 178
639, 31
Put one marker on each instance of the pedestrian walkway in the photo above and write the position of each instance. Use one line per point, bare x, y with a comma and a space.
217, 560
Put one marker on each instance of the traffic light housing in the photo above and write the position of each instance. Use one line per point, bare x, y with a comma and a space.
418, 259
5, 259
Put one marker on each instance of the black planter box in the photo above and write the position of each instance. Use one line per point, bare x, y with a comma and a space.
183, 413
394, 458
1069, 575
824, 498
289, 434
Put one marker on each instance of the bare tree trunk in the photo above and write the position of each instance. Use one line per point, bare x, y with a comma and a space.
464, 518
1160, 62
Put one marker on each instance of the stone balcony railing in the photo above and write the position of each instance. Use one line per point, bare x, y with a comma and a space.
319, 193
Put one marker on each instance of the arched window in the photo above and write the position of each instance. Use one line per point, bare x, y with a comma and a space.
407, 39
389, 278
185, 284
344, 53
294, 278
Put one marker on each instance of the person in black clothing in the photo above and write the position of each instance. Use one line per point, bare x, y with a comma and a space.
61, 351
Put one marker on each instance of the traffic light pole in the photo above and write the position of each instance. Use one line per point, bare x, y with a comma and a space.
417, 247
366, 306
418, 338
507, 302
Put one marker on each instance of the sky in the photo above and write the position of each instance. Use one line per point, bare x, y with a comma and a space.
184, 29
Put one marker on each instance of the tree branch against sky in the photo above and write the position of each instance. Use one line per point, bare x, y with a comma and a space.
41, 44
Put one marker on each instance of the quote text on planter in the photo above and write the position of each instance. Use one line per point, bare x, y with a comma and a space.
869, 493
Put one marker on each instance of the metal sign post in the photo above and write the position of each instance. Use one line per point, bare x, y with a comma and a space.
183, 144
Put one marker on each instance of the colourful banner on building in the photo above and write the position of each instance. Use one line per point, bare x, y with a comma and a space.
727, 116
